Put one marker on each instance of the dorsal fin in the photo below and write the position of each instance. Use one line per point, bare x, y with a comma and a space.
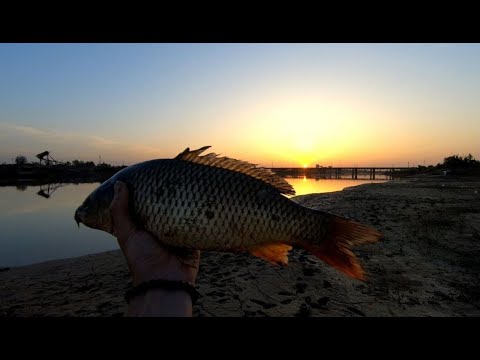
244, 167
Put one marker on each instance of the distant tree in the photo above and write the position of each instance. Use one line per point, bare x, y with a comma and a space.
83, 163
458, 162
104, 165
20, 160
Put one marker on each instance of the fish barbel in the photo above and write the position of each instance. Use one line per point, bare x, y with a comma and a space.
213, 203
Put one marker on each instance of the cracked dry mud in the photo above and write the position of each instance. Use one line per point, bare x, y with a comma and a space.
428, 265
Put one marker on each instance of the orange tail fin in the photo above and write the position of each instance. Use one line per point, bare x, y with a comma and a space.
335, 248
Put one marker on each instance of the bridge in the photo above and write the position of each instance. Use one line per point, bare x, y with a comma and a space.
340, 172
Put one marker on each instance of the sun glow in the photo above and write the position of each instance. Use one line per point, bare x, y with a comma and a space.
307, 130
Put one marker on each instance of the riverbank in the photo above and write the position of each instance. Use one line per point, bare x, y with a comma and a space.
428, 265
30, 174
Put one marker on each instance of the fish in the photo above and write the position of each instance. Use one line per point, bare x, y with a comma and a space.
213, 203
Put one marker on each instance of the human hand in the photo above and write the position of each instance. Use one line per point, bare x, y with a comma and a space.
148, 259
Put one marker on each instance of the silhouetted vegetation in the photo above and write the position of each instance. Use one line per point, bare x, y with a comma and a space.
104, 165
75, 171
461, 162
80, 163
20, 160
78, 169
455, 164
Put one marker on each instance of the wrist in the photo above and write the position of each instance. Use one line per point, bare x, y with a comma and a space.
164, 266
161, 302
170, 286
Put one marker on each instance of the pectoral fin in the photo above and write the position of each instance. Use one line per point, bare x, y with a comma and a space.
274, 253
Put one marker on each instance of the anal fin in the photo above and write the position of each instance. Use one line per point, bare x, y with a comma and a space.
274, 253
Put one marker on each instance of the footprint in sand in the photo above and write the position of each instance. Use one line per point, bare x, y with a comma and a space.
356, 311
263, 304
215, 293
104, 305
303, 311
308, 271
300, 287
319, 304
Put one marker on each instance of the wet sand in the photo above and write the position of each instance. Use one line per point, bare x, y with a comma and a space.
428, 265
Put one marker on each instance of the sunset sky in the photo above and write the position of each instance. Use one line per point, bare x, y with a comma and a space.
270, 104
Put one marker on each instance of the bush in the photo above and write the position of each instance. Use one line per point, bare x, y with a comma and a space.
461, 162
20, 160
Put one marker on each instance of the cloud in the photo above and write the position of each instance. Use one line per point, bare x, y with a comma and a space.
29, 130
144, 149
66, 145
98, 140
63, 137
20, 138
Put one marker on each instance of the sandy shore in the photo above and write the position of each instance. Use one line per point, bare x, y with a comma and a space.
428, 265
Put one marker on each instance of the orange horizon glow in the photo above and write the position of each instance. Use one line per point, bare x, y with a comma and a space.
349, 151
267, 146
274, 105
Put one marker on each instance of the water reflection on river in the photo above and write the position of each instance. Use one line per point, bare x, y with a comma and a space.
304, 185
37, 222
35, 228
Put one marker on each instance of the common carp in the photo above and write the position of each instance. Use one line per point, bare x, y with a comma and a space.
214, 203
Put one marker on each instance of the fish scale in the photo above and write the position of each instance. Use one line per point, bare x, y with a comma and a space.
212, 203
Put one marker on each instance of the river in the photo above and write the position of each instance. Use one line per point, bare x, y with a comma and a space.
37, 222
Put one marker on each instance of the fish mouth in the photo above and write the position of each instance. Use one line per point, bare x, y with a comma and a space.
77, 218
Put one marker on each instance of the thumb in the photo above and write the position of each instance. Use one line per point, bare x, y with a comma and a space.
122, 224
119, 204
